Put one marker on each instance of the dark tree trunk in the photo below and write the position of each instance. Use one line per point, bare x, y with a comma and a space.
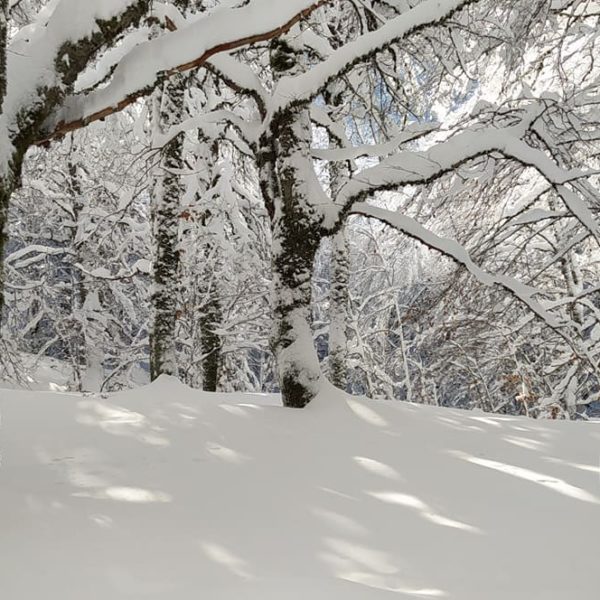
338, 311
212, 314
5, 193
78, 345
166, 204
211, 344
6, 183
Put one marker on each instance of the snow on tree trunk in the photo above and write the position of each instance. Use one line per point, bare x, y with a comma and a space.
340, 280
295, 245
5, 176
339, 173
296, 237
212, 315
211, 345
338, 310
166, 198
5, 193
78, 346
210, 319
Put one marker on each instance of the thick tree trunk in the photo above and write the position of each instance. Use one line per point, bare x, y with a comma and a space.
339, 173
338, 311
166, 198
6, 180
296, 236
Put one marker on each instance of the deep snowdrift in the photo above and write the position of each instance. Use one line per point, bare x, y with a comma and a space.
171, 494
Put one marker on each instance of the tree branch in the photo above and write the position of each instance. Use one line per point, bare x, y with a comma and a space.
76, 112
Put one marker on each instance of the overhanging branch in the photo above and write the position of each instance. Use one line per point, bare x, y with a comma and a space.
456, 252
66, 126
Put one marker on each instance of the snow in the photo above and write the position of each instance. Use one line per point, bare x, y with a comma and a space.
168, 493
43, 373
102, 69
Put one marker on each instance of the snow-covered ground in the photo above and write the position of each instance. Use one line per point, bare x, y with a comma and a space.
168, 493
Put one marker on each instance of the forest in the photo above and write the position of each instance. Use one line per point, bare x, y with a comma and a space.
208, 189
212, 208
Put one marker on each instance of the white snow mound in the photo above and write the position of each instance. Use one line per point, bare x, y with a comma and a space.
173, 494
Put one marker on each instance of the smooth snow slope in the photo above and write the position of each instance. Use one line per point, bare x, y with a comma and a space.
167, 493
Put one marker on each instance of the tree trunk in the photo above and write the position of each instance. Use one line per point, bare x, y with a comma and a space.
212, 315
78, 345
5, 193
6, 181
298, 368
210, 318
339, 298
338, 311
296, 235
166, 197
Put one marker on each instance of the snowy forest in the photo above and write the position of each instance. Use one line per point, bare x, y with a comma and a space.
299, 299
400, 196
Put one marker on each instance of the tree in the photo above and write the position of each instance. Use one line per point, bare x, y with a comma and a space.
390, 87
51, 59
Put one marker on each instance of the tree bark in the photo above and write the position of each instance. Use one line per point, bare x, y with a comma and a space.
296, 239
296, 243
338, 310
5, 194
212, 314
284, 153
166, 202
78, 340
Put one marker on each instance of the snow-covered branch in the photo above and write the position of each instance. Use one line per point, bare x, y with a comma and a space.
189, 47
45, 58
459, 254
408, 167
